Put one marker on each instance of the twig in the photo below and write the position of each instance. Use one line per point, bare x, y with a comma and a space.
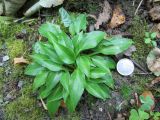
139, 66
109, 116
92, 16
143, 73
138, 7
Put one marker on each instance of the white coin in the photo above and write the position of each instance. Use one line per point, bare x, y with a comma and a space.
125, 67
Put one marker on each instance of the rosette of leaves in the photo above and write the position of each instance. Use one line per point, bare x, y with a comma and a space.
68, 64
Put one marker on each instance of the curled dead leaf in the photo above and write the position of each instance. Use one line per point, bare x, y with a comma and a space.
118, 17
155, 13
20, 60
155, 81
153, 61
63, 105
105, 15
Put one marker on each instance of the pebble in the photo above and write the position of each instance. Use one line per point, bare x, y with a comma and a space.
5, 58
20, 84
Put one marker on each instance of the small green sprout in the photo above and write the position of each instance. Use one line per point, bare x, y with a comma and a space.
150, 38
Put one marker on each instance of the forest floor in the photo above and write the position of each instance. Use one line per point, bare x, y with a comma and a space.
17, 100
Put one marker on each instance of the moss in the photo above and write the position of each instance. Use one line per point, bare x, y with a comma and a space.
126, 91
140, 82
138, 29
26, 107
16, 48
25, 110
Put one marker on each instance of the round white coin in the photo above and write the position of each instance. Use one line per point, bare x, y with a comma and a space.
125, 67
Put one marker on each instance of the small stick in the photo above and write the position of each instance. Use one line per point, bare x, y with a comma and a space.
109, 116
138, 7
143, 73
140, 67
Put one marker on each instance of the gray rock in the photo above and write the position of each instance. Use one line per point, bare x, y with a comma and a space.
20, 84
5, 58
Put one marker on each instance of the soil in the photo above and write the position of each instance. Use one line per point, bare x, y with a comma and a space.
89, 108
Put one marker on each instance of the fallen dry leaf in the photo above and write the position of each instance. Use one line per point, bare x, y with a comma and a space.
153, 61
118, 17
155, 13
63, 104
20, 61
155, 81
105, 15
149, 93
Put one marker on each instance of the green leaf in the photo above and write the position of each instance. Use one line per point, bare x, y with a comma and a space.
44, 61
84, 63
57, 94
114, 46
65, 54
53, 106
97, 90
65, 17
153, 35
147, 34
134, 115
52, 80
108, 80
80, 23
91, 40
48, 50
154, 43
49, 27
40, 79
104, 62
143, 115
147, 40
76, 89
147, 102
76, 40
65, 79
33, 69
97, 73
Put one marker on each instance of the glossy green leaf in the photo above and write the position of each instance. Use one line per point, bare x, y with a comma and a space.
84, 64
114, 46
48, 50
65, 17
49, 27
80, 23
33, 69
97, 73
103, 62
52, 80
65, 78
57, 94
91, 40
76, 89
76, 41
53, 106
44, 61
97, 90
40, 79
65, 54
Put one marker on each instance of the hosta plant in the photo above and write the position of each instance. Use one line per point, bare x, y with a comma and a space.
69, 63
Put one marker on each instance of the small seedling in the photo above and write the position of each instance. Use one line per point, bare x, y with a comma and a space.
150, 38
